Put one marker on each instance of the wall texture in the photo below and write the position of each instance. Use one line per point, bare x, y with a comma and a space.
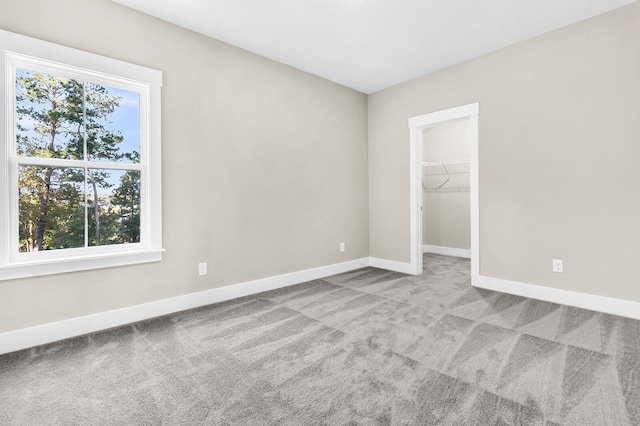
264, 166
446, 213
559, 143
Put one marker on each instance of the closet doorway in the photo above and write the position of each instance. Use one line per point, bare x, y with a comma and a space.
444, 185
446, 225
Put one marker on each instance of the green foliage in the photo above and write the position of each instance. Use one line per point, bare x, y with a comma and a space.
57, 118
127, 198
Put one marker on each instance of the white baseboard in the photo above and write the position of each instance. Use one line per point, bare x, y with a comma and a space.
447, 251
592, 302
46, 333
391, 265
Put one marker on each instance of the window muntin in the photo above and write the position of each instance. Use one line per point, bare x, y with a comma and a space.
81, 161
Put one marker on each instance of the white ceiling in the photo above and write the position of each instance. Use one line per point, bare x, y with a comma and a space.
372, 44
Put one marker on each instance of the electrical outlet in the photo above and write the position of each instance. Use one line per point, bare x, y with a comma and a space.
557, 265
202, 268
342, 248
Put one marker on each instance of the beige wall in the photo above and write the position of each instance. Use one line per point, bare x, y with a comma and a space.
264, 166
559, 150
446, 215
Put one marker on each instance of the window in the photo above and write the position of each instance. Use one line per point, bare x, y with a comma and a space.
80, 177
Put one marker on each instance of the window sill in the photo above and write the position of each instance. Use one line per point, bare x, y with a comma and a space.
60, 266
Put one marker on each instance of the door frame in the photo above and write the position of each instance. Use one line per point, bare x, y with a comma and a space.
416, 125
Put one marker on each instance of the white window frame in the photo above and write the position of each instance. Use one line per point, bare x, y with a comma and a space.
17, 51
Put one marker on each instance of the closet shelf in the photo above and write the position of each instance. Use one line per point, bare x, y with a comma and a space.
443, 163
444, 172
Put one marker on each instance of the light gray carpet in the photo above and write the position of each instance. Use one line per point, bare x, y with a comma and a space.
365, 347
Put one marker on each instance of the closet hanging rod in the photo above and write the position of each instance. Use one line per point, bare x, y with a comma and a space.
456, 189
447, 174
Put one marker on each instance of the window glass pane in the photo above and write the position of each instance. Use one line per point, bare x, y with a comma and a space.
115, 217
49, 116
50, 208
113, 124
